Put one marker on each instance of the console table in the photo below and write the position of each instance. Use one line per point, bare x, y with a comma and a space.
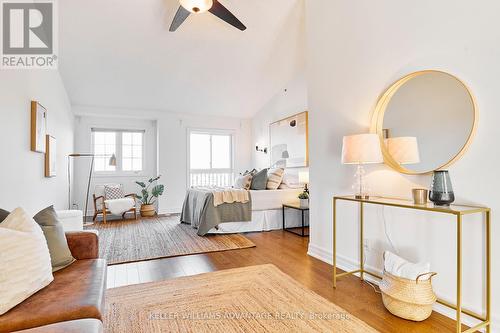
458, 211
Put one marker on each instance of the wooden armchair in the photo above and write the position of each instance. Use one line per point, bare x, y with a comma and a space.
100, 205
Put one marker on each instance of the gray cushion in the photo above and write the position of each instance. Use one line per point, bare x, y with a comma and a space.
259, 180
3, 214
60, 254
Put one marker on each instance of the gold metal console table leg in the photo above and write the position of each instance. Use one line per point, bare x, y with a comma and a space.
488, 270
334, 243
361, 235
459, 273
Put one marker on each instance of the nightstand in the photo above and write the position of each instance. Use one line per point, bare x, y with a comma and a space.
303, 212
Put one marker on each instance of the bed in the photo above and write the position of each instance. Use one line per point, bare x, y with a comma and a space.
262, 213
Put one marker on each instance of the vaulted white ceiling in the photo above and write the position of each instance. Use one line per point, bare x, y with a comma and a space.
120, 54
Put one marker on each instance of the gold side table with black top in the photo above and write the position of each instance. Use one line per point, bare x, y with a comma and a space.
458, 211
303, 211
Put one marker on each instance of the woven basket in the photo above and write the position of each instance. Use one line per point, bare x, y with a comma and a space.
408, 299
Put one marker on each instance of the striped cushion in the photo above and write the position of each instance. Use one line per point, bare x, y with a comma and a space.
274, 178
25, 260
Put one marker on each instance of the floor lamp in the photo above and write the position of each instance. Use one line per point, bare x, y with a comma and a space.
112, 162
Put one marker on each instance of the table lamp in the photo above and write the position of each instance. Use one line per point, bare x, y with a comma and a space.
361, 149
304, 179
403, 149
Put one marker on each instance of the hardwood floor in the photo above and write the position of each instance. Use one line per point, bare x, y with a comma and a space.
289, 253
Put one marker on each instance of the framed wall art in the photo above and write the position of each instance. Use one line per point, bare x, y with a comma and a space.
50, 156
38, 127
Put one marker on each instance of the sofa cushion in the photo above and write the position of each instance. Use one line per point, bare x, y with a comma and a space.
72, 326
24, 259
3, 214
53, 230
77, 292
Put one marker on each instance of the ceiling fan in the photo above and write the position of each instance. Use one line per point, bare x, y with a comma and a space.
199, 6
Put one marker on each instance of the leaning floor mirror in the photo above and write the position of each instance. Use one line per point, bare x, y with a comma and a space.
289, 141
426, 120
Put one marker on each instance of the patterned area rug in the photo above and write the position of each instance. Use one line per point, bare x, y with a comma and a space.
124, 241
250, 299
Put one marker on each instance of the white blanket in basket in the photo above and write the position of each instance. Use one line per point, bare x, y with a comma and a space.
398, 266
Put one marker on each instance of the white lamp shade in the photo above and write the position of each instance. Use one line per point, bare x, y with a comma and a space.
196, 6
404, 149
361, 149
304, 177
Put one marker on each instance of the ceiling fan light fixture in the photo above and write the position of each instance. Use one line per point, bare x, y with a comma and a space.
197, 6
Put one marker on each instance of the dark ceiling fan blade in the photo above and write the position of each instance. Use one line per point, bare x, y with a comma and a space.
224, 14
180, 16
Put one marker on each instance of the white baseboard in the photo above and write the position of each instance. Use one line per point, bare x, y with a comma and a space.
347, 264
170, 210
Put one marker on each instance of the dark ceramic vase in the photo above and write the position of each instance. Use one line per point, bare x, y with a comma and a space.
441, 192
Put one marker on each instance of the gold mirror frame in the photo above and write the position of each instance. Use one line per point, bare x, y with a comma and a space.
378, 122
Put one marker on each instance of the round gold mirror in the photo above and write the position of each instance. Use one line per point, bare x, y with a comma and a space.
426, 120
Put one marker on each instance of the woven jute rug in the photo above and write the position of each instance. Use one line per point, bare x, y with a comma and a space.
130, 240
250, 299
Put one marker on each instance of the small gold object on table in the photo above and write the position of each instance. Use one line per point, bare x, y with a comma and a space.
458, 211
419, 196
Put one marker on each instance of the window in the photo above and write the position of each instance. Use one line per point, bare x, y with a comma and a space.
127, 146
131, 151
104, 148
210, 158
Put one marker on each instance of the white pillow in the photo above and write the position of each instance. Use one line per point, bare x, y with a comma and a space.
24, 259
243, 181
291, 179
274, 178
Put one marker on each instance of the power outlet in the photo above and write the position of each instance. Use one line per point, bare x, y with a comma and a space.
367, 245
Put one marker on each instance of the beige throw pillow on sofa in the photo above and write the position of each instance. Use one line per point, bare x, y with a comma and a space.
24, 259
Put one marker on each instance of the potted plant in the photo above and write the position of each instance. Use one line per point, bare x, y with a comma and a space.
304, 199
149, 195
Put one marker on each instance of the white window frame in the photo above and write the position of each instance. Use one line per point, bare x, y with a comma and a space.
210, 132
119, 172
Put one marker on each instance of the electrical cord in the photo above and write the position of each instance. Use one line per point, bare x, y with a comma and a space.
387, 233
368, 282
391, 244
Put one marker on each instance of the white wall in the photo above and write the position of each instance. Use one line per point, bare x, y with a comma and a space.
172, 129
83, 144
283, 104
355, 50
22, 171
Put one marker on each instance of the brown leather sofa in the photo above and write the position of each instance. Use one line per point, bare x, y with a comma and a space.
76, 293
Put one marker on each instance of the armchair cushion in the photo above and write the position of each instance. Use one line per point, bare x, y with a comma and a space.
112, 192
120, 206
